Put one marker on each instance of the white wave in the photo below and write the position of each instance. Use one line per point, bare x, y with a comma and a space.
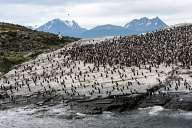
107, 112
155, 110
152, 110
80, 114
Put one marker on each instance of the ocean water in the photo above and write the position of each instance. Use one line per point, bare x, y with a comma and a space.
59, 117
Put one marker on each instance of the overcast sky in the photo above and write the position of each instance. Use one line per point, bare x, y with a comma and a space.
89, 13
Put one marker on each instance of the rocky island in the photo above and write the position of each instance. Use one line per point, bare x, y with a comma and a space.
118, 74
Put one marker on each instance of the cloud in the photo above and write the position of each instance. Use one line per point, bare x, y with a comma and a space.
48, 2
90, 13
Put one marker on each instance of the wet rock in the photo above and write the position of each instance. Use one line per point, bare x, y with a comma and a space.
112, 103
155, 100
182, 101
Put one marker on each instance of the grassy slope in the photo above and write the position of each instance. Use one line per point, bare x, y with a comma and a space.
19, 44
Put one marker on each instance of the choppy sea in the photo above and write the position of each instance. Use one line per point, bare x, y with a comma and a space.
60, 117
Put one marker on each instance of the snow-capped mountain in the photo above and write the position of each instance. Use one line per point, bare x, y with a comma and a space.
136, 26
67, 28
145, 25
71, 28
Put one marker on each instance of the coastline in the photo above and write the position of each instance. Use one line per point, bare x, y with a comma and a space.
54, 78
113, 103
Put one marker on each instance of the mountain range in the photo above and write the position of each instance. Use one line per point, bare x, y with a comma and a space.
72, 28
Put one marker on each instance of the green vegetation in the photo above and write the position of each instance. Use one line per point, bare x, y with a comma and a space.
19, 44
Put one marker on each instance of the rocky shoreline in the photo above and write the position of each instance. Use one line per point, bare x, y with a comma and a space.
113, 103
122, 103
